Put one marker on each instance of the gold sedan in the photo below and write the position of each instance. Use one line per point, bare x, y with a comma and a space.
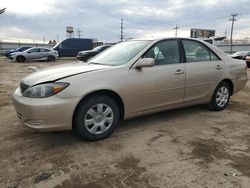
130, 79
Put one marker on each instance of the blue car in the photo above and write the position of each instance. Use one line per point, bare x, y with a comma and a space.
20, 49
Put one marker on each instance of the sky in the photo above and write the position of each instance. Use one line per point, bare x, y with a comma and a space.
36, 20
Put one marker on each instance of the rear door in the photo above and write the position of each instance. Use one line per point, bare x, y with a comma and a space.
44, 53
160, 86
204, 70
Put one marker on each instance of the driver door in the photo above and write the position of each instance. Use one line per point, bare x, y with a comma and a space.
160, 86
33, 53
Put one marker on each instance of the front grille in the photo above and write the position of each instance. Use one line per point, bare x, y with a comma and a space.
23, 87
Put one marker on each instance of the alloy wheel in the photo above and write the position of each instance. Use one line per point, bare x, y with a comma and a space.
222, 96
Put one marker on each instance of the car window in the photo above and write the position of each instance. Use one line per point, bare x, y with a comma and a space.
104, 48
44, 50
164, 52
62, 46
197, 52
98, 48
34, 50
213, 57
24, 48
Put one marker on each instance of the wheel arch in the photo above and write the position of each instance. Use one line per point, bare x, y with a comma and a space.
51, 57
22, 56
106, 92
230, 83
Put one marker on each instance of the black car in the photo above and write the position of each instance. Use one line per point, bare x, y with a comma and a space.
241, 55
71, 46
85, 55
20, 49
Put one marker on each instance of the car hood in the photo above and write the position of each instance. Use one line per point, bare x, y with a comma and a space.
60, 71
15, 53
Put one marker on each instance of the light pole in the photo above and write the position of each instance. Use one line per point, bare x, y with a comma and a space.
232, 28
176, 28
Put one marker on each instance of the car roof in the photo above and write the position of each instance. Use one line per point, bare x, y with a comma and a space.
40, 48
166, 38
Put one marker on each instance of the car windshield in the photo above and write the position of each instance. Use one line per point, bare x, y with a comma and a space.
119, 54
97, 48
23, 48
20, 48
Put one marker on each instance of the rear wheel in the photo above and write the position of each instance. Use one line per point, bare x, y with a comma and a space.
20, 59
96, 117
220, 97
51, 58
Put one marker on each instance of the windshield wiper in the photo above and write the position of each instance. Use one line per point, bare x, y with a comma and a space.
94, 63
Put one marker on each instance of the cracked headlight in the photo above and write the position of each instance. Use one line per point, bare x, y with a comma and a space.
45, 90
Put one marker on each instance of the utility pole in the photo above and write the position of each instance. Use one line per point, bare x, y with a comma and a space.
232, 28
44, 39
176, 28
78, 33
122, 34
57, 38
225, 33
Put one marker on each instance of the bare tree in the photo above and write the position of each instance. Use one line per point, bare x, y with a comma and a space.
2, 10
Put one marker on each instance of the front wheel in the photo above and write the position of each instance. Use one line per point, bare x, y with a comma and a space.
20, 59
220, 97
96, 117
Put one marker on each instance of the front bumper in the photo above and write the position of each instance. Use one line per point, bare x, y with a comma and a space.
45, 114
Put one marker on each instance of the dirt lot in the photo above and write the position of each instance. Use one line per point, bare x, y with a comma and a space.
191, 147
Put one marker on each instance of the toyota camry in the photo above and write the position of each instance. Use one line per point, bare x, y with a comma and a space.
130, 79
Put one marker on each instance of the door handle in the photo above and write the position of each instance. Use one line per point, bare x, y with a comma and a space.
178, 72
218, 67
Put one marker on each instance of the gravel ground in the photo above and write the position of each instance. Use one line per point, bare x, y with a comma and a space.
190, 147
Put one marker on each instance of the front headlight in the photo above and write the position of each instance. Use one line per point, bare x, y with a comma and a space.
45, 90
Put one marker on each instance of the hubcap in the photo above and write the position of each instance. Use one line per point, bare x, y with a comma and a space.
98, 118
222, 96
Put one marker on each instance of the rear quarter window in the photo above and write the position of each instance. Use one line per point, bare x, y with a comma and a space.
197, 52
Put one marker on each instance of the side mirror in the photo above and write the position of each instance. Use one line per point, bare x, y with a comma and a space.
29, 52
145, 62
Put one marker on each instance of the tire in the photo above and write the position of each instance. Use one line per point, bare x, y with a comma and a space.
220, 97
90, 121
20, 59
83, 59
51, 58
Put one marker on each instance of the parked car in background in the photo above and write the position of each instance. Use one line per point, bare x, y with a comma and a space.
243, 55
20, 49
87, 54
35, 53
248, 61
71, 46
130, 79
